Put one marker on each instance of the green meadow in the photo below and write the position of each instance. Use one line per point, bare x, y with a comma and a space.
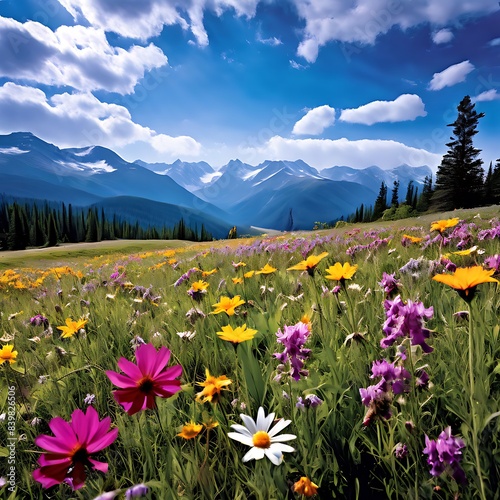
441, 340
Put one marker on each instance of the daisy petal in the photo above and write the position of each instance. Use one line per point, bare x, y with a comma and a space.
254, 454
247, 440
279, 427
275, 456
249, 423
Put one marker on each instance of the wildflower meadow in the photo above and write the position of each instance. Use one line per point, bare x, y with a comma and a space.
358, 363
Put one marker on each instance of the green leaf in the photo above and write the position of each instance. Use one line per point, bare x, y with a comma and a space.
4, 452
251, 371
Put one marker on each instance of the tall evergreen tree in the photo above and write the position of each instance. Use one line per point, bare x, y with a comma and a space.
51, 231
380, 203
92, 229
410, 192
395, 194
15, 236
459, 179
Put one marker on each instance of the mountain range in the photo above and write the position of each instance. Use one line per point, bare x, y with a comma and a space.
280, 195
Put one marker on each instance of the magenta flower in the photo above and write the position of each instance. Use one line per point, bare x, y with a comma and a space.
493, 262
406, 319
444, 454
143, 381
293, 339
389, 283
70, 450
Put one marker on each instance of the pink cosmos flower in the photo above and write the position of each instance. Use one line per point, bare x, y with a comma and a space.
71, 448
143, 381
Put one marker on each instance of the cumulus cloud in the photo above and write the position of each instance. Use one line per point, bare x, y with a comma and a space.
487, 95
362, 21
315, 121
80, 119
494, 42
451, 76
323, 153
145, 18
405, 107
75, 56
442, 36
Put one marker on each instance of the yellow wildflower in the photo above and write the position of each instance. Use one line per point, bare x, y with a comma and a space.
7, 354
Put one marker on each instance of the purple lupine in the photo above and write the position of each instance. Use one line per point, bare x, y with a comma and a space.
389, 283
137, 491
444, 454
186, 276
406, 319
293, 339
39, 320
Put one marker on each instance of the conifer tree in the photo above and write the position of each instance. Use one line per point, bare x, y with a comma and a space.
52, 235
380, 203
395, 194
15, 236
459, 179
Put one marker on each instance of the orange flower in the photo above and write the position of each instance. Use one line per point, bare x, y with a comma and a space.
309, 264
412, 239
237, 281
7, 354
465, 280
190, 431
442, 225
212, 388
304, 486
227, 305
267, 269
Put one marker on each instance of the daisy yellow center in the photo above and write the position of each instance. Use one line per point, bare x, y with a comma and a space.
261, 439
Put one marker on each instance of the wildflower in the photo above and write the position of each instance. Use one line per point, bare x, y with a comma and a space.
407, 239
89, 399
227, 305
468, 251
309, 264
249, 274
188, 335
7, 354
3, 482
108, 495
465, 280
143, 381
304, 486
267, 269
72, 447
400, 451
137, 341
293, 339
444, 454
72, 327
35, 422
239, 264
406, 319
186, 276
263, 441
42, 379
236, 335
309, 401
212, 387
389, 283
493, 262
198, 289
442, 225
204, 274
341, 272
237, 281
194, 314
139, 490
190, 431
39, 320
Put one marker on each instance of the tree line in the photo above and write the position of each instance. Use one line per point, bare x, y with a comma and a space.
461, 181
30, 224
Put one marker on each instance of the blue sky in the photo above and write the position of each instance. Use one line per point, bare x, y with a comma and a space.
333, 82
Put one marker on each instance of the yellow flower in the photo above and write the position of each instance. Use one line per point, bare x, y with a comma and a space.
466, 252
465, 280
212, 387
341, 272
239, 334
249, 274
442, 225
7, 354
199, 286
307, 321
208, 273
171, 262
412, 239
304, 486
309, 264
267, 269
72, 327
190, 431
227, 305
237, 281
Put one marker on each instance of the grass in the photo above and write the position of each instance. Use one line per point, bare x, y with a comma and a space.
126, 292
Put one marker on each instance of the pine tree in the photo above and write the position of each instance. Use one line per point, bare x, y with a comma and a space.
92, 229
395, 194
52, 235
380, 203
424, 199
15, 236
459, 180
410, 191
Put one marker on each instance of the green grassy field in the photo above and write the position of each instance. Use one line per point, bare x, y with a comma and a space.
368, 378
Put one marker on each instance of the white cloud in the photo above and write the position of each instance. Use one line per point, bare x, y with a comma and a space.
80, 119
494, 42
487, 95
405, 107
75, 56
315, 121
362, 21
323, 153
273, 41
143, 19
451, 76
296, 65
442, 36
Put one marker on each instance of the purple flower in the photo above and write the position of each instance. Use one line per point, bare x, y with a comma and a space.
293, 339
389, 283
139, 490
186, 276
406, 319
444, 453
89, 399
493, 262
309, 401
400, 451
422, 379
39, 320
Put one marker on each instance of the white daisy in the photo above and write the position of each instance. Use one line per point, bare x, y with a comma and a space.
262, 440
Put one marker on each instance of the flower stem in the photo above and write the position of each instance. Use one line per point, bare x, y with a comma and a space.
474, 416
